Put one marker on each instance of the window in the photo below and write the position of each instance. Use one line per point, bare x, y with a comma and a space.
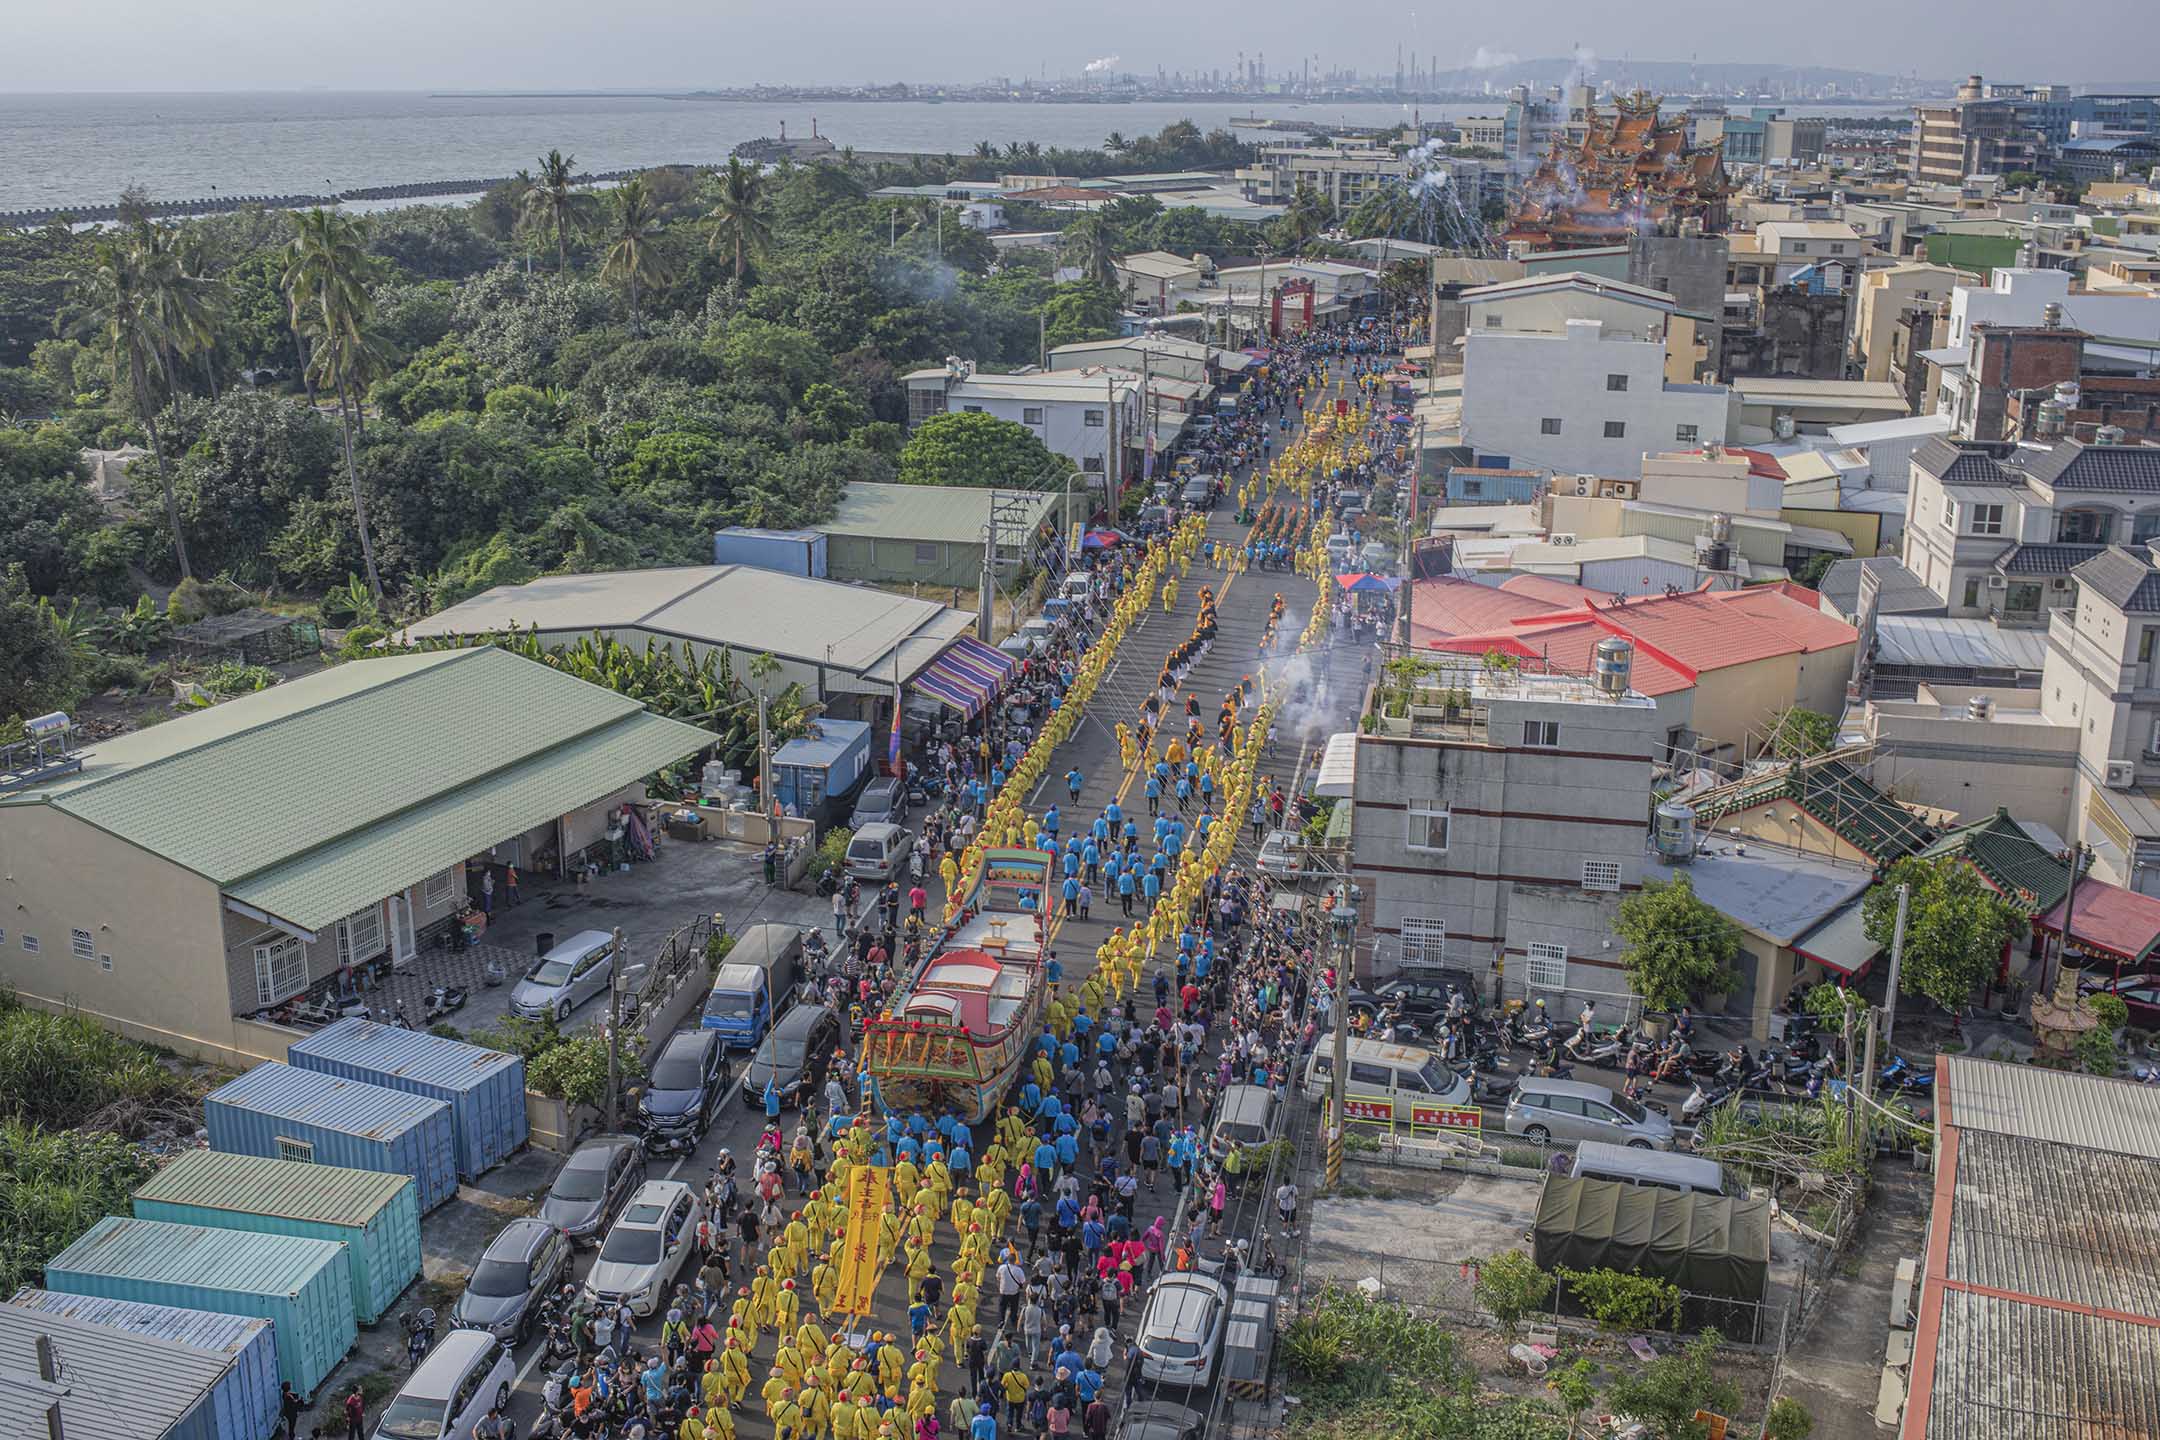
1547, 968
1550, 425
1837, 247
104, 963
1492, 320
1616, 383
1687, 435
1092, 464
1473, 487
1799, 247
280, 970
360, 936
302, 1151
1987, 519
1544, 734
1428, 828
2152, 746
972, 409
30, 944
437, 890
2145, 648
1616, 429
1031, 415
1972, 593
1424, 940
1949, 512
1377, 1076
1601, 875
84, 947
926, 554
1093, 419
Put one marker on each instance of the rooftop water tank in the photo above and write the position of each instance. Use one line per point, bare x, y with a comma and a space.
1612, 664
1673, 833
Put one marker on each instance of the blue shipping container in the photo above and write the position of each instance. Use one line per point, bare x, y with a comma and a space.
821, 765
485, 1089
302, 1287
287, 1113
792, 552
243, 1405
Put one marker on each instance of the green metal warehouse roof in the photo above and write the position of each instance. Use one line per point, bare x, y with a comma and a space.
321, 795
954, 514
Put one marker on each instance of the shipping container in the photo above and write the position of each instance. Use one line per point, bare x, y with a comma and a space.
302, 1287
793, 552
163, 1389
243, 1403
485, 1089
285, 1113
376, 1217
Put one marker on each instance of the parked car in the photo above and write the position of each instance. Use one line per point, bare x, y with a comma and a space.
879, 852
452, 1391
1282, 856
1198, 493
882, 802
600, 1175
2140, 992
1159, 1420
1543, 1110
520, 1267
683, 1091
1181, 1329
1421, 1002
647, 1248
566, 977
793, 1058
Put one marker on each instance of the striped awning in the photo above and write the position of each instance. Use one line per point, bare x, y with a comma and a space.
966, 675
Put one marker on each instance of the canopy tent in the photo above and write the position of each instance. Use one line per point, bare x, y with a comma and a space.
966, 675
1101, 539
1712, 1246
1367, 584
1336, 775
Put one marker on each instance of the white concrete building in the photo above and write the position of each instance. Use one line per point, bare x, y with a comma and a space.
1151, 280
1499, 839
1583, 401
2102, 682
1074, 412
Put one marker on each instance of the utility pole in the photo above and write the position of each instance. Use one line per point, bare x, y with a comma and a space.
617, 973
1897, 955
764, 765
1110, 458
1042, 339
1341, 904
983, 616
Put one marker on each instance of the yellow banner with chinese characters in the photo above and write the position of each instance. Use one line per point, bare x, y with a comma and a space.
869, 1192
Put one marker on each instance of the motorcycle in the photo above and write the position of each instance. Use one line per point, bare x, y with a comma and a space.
1898, 1075
443, 1001
419, 1327
1701, 1099
554, 1418
1491, 1089
828, 883
1590, 1050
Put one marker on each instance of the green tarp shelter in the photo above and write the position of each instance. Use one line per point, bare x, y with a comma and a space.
1709, 1245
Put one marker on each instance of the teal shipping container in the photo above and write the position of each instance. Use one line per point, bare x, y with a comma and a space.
302, 1287
376, 1217
283, 1113
485, 1089
245, 1399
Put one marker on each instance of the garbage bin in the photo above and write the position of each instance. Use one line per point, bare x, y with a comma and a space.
543, 942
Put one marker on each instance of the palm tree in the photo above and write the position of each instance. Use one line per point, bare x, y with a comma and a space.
1033, 149
1308, 215
326, 273
742, 217
553, 203
1012, 149
633, 234
1115, 142
185, 303
117, 305
985, 150
1089, 247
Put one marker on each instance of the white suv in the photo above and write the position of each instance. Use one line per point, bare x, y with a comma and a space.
647, 1248
1181, 1330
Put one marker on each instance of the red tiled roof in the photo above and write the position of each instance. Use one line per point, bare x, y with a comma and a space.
1793, 609
2110, 918
1554, 591
1451, 606
1567, 648
1759, 462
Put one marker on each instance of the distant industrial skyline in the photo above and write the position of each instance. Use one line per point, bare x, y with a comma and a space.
153, 45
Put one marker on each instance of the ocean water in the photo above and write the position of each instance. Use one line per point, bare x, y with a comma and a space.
84, 149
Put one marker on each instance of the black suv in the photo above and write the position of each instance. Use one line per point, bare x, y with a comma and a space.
1421, 1001
683, 1091
793, 1057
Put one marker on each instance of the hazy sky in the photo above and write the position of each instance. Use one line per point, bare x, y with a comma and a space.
477, 44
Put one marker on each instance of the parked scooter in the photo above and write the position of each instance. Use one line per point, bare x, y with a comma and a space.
1592, 1050
1898, 1075
1703, 1098
554, 1418
443, 1001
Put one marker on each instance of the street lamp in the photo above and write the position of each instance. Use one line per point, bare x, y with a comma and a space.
1341, 905
618, 974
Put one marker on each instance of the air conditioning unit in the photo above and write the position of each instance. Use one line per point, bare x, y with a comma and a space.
1561, 542
2121, 774
1998, 582
2060, 582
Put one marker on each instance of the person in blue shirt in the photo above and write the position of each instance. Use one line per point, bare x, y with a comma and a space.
984, 1425
1151, 887
1071, 891
1187, 942
1068, 1055
1207, 791
1054, 968
1050, 821
1087, 1383
1153, 790
1159, 865
1112, 813
1174, 847
1068, 1149
1132, 833
997, 778
981, 794
772, 1101
1030, 1095
1091, 1237
1203, 963
1068, 1212
1091, 860
1082, 1022
1045, 1163
1069, 864
1106, 1044
1184, 791
1073, 781
1127, 883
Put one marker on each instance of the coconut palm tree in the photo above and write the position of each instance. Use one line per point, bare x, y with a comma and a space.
1089, 248
1033, 149
1115, 142
985, 150
326, 273
1307, 215
553, 203
633, 235
116, 306
186, 303
742, 217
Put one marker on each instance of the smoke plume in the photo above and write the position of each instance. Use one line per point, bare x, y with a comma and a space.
1097, 67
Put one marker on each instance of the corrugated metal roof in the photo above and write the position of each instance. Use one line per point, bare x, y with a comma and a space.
321, 886
240, 1261
951, 514
198, 1329
409, 1054
2081, 1233
247, 796
1956, 643
2055, 1105
114, 1385
2006, 1370
375, 1111
288, 1189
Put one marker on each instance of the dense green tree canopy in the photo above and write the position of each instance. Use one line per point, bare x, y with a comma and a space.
971, 448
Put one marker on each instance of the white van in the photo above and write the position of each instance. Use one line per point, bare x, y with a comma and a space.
1388, 1082
1632, 1165
468, 1372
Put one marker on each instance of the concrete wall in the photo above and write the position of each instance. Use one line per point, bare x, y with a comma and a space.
1513, 383
1932, 753
1691, 269
162, 926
